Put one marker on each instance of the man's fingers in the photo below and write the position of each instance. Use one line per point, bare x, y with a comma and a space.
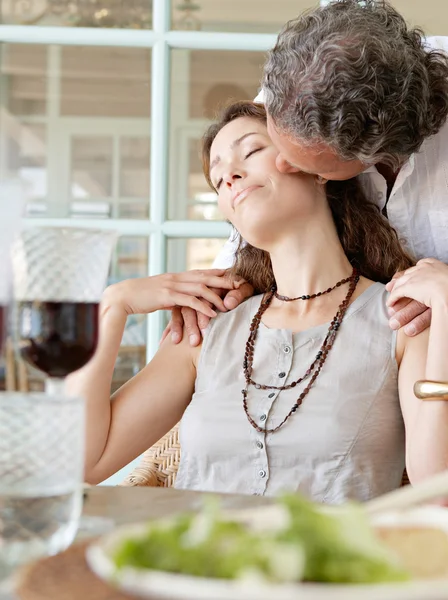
407, 316
177, 325
235, 297
203, 322
399, 305
419, 324
191, 325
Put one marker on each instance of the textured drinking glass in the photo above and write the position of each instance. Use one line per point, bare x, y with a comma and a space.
59, 277
41, 475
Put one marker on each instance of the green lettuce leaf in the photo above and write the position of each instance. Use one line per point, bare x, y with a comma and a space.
340, 545
334, 545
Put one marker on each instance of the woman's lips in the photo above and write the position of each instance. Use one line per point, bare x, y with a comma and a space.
238, 198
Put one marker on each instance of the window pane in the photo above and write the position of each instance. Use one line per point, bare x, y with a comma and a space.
131, 260
195, 253
431, 15
131, 14
201, 82
105, 82
91, 172
26, 155
254, 16
134, 162
79, 135
23, 71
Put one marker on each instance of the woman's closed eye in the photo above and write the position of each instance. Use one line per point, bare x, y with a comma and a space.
248, 155
253, 152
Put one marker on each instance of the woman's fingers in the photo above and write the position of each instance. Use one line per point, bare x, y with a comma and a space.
208, 278
391, 284
403, 276
202, 291
428, 261
180, 299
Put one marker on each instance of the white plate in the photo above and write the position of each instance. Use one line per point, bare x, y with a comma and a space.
150, 584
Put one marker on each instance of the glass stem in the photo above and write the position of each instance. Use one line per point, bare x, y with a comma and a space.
55, 386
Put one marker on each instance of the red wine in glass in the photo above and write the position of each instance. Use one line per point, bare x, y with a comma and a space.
58, 338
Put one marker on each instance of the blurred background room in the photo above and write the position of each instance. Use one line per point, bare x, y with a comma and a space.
102, 107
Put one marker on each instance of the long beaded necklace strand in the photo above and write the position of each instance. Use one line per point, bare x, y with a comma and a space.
318, 362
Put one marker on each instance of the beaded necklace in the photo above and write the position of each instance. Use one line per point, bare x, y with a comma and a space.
318, 362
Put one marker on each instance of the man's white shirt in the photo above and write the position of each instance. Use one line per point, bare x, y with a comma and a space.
418, 204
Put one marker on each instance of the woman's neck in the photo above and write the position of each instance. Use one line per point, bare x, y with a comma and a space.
309, 263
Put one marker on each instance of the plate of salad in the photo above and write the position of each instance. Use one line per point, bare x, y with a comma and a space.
291, 550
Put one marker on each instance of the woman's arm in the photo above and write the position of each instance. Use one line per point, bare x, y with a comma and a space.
424, 356
120, 428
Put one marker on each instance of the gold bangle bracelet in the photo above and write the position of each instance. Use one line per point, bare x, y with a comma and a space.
431, 390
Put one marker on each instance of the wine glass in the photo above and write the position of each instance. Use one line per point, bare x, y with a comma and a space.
59, 276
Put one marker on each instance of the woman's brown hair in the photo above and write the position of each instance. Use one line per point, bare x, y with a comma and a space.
369, 241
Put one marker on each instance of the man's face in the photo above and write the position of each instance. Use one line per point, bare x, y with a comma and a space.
316, 160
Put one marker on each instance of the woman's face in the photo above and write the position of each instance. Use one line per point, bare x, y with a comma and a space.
253, 195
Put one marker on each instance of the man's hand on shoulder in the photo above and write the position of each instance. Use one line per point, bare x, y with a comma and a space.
195, 322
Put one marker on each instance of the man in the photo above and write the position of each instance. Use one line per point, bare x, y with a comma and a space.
350, 91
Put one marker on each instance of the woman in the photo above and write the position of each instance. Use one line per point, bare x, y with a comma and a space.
328, 410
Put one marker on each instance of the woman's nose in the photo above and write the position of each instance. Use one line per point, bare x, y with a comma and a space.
231, 176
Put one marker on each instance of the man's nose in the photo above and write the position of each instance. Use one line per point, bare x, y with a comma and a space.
284, 166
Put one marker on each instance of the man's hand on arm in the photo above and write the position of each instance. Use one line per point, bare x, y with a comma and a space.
412, 293
413, 316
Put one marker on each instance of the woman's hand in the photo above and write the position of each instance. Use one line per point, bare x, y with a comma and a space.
414, 292
192, 289
195, 322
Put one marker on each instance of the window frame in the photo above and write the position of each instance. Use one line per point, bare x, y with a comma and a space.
160, 40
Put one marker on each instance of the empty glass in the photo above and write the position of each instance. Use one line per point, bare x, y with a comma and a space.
41, 475
59, 277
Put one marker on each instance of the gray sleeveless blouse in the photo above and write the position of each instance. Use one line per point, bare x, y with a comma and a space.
346, 441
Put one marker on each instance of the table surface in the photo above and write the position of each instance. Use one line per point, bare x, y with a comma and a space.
133, 504
120, 505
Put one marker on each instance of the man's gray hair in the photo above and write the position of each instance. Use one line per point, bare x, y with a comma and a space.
353, 75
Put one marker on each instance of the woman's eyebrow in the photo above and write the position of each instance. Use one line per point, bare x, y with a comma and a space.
233, 145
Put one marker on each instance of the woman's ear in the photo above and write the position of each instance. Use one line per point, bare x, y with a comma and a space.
321, 180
